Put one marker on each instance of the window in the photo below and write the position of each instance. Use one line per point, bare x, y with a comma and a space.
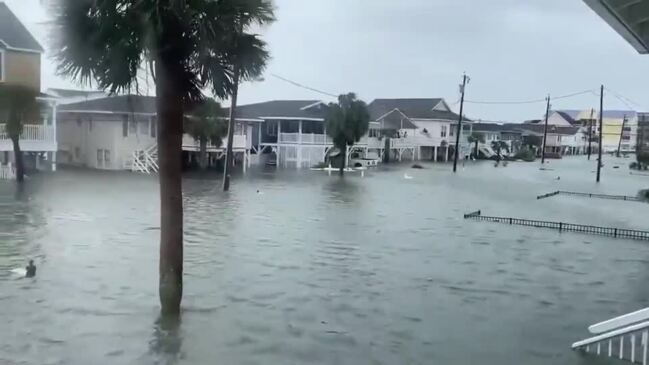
238, 129
107, 157
444, 129
627, 129
626, 138
100, 157
77, 153
451, 131
125, 126
271, 129
154, 127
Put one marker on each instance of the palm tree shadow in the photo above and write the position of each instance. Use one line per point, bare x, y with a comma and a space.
166, 342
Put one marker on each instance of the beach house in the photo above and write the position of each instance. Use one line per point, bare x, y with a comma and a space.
20, 65
120, 133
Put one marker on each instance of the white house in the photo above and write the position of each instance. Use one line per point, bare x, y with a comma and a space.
430, 120
119, 133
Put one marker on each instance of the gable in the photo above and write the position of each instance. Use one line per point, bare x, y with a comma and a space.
14, 35
442, 106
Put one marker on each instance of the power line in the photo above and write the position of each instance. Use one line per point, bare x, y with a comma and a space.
533, 101
294, 83
626, 101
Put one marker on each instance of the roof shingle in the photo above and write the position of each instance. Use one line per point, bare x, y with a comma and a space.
13, 33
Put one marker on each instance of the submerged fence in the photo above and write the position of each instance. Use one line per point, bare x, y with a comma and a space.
568, 227
590, 195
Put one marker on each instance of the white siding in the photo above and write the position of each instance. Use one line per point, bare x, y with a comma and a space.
82, 135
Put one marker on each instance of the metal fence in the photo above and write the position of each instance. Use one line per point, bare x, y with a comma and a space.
590, 195
568, 227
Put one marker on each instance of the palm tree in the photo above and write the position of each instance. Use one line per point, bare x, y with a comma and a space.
20, 102
347, 121
188, 47
206, 125
477, 138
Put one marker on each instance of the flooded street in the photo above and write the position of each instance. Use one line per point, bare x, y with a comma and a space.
313, 269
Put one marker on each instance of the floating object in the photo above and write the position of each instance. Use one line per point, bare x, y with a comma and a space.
407, 177
417, 166
19, 271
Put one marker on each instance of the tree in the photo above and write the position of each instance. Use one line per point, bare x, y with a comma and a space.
188, 47
533, 141
205, 125
499, 146
20, 102
347, 121
477, 138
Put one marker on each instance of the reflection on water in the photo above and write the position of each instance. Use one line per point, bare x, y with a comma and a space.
299, 267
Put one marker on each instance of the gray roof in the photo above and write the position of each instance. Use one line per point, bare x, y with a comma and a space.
412, 108
13, 33
116, 104
282, 108
496, 127
395, 121
552, 129
69, 93
568, 117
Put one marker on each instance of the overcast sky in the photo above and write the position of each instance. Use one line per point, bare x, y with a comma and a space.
511, 49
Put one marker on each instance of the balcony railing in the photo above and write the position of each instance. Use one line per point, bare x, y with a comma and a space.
31, 132
307, 138
239, 142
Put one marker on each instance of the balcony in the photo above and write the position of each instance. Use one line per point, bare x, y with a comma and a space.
190, 144
34, 138
306, 138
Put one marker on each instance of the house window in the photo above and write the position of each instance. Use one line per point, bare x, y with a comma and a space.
238, 129
107, 157
125, 126
100, 157
271, 129
444, 130
451, 131
77, 153
154, 127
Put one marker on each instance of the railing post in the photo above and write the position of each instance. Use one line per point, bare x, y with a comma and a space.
510, 220
615, 233
560, 226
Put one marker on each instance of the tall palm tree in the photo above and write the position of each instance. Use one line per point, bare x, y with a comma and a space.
499, 146
189, 47
477, 138
347, 121
20, 103
205, 124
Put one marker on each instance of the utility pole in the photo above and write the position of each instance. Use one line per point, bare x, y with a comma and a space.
601, 132
459, 123
545, 130
619, 144
590, 132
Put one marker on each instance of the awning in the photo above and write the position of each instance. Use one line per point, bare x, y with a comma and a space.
630, 18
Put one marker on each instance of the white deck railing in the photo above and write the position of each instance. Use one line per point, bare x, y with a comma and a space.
31, 132
307, 138
613, 334
7, 172
238, 142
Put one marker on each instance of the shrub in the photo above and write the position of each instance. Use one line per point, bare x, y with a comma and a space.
526, 155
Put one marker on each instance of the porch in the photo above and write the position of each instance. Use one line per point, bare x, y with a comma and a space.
34, 138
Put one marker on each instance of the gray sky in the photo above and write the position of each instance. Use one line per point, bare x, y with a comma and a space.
512, 50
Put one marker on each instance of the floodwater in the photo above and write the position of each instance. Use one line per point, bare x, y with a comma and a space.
318, 270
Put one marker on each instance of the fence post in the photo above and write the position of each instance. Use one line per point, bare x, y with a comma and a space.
560, 226
510, 220
615, 233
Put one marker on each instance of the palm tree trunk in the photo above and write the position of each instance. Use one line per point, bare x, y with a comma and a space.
202, 160
343, 153
18, 157
229, 155
170, 132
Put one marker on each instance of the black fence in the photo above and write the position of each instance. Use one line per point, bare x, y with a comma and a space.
568, 227
590, 195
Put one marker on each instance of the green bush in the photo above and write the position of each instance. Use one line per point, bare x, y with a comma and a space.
526, 155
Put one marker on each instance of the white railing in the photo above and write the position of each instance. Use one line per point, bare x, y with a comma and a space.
145, 160
613, 334
31, 132
7, 172
307, 138
238, 142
